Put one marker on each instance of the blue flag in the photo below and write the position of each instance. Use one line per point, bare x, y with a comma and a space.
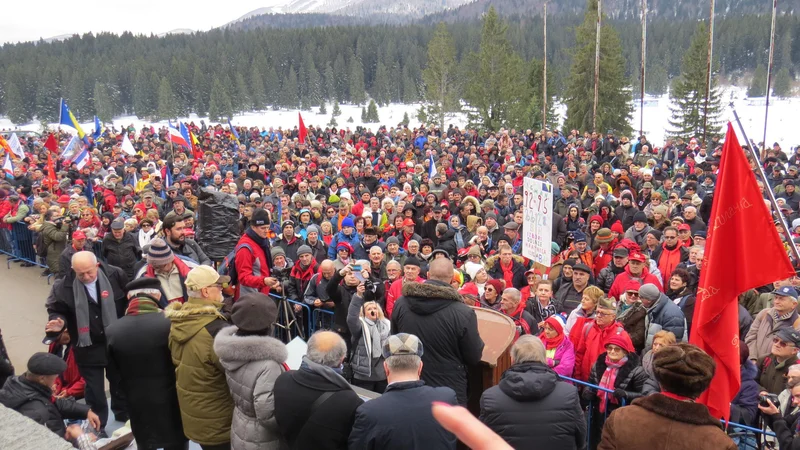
98, 128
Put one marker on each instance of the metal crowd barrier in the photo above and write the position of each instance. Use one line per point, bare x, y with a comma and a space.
20, 248
322, 319
748, 437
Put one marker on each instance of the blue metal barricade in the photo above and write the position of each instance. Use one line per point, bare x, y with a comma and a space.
299, 327
22, 246
322, 319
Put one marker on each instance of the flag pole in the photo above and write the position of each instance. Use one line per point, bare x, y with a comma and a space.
644, 65
597, 64
772, 200
709, 67
769, 66
544, 76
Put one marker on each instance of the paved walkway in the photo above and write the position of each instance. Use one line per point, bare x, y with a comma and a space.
22, 314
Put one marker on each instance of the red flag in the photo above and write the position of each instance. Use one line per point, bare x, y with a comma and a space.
733, 264
51, 168
51, 143
302, 133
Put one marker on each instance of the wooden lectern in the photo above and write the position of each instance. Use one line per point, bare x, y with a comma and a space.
497, 331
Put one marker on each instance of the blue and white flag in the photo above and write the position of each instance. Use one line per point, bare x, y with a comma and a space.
82, 159
432, 169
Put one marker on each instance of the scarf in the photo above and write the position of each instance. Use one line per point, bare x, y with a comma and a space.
669, 260
264, 244
144, 238
141, 305
608, 380
304, 274
107, 306
328, 373
508, 273
551, 344
375, 334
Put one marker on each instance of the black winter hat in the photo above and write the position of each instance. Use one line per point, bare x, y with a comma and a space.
254, 312
640, 216
260, 217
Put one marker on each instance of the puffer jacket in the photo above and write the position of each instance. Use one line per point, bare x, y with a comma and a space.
631, 378
517, 268
665, 315
363, 364
433, 311
206, 404
123, 253
532, 408
607, 276
252, 364
35, 401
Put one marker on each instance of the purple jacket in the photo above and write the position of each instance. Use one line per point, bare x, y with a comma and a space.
564, 358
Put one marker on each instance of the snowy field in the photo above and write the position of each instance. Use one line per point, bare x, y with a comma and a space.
782, 122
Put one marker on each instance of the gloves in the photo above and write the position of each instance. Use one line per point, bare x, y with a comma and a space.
620, 393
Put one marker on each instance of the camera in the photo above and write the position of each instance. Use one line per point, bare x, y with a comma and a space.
762, 400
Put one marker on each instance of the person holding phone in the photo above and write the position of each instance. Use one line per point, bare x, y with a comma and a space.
370, 330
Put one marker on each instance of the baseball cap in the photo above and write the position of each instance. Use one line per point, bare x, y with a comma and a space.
636, 256
204, 276
684, 227
117, 224
786, 291
402, 344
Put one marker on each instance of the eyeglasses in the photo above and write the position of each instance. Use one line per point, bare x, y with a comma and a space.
632, 294
781, 344
614, 349
146, 225
488, 289
670, 237
602, 314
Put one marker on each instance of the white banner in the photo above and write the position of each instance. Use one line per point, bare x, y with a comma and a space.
16, 146
537, 225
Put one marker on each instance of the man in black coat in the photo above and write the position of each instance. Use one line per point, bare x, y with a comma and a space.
31, 395
531, 407
402, 418
432, 311
138, 348
101, 302
314, 406
120, 248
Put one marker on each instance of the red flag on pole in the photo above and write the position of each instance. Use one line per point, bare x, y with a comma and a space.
733, 264
302, 132
51, 169
51, 144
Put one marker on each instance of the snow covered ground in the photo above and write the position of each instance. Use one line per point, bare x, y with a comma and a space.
782, 121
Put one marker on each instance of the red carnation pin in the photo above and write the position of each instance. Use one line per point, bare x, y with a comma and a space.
104, 294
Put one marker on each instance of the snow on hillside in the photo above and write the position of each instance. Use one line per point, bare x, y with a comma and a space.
782, 120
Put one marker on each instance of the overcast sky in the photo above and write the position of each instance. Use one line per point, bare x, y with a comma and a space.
29, 20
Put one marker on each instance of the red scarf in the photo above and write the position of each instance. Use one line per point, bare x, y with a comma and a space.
608, 380
508, 274
550, 344
677, 397
668, 261
304, 274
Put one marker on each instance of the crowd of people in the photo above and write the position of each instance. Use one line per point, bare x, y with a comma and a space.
396, 233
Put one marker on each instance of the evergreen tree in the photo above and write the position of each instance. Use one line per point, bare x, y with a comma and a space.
243, 101
357, 92
272, 84
422, 115
219, 107
167, 103
657, 80
364, 118
614, 105
104, 104
313, 81
340, 74
782, 86
290, 91
406, 120
688, 91
332, 122
144, 105
15, 105
305, 103
409, 86
441, 82
493, 82
202, 91
48, 95
535, 105
323, 109
758, 85
336, 110
257, 93
372, 112
350, 119
330, 82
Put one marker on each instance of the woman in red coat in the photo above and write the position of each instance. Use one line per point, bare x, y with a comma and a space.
591, 340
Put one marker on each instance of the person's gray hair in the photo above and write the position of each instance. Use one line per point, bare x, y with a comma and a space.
528, 348
84, 254
441, 228
514, 293
410, 241
404, 363
796, 381
322, 351
394, 262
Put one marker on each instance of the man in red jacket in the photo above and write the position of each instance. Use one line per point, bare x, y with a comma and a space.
252, 260
636, 270
70, 383
411, 269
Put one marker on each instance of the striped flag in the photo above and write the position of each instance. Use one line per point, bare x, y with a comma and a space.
82, 159
8, 166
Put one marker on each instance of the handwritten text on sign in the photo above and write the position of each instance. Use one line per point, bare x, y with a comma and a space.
537, 229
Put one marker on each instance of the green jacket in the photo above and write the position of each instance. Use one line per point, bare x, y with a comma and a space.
55, 239
203, 395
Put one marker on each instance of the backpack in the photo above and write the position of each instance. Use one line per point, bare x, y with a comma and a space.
228, 265
41, 248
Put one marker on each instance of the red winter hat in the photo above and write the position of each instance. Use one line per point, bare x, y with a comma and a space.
408, 223
498, 285
64, 199
617, 227
346, 246
632, 285
596, 217
622, 340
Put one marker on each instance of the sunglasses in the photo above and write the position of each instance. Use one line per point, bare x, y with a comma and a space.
489, 289
632, 294
780, 343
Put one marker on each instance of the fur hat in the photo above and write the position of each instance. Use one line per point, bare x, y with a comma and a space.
683, 369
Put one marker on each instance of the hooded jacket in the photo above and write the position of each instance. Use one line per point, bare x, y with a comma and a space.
665, 315
252, 364
206, 404
532, 408
433, 311
34, 401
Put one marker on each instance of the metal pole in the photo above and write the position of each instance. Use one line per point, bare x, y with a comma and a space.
544, 76
597, 65
770, 194
708, 69
644, 64
769, 67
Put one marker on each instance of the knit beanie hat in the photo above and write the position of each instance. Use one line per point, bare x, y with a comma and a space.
159, 253
622, 340
313, 229
498, 285
617, 227
277, 251
596, 218
392, 240
640, 217
254, 312
348, 222
660, 209
474, 251
304, 249
556, 322
472, 269
683, 369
